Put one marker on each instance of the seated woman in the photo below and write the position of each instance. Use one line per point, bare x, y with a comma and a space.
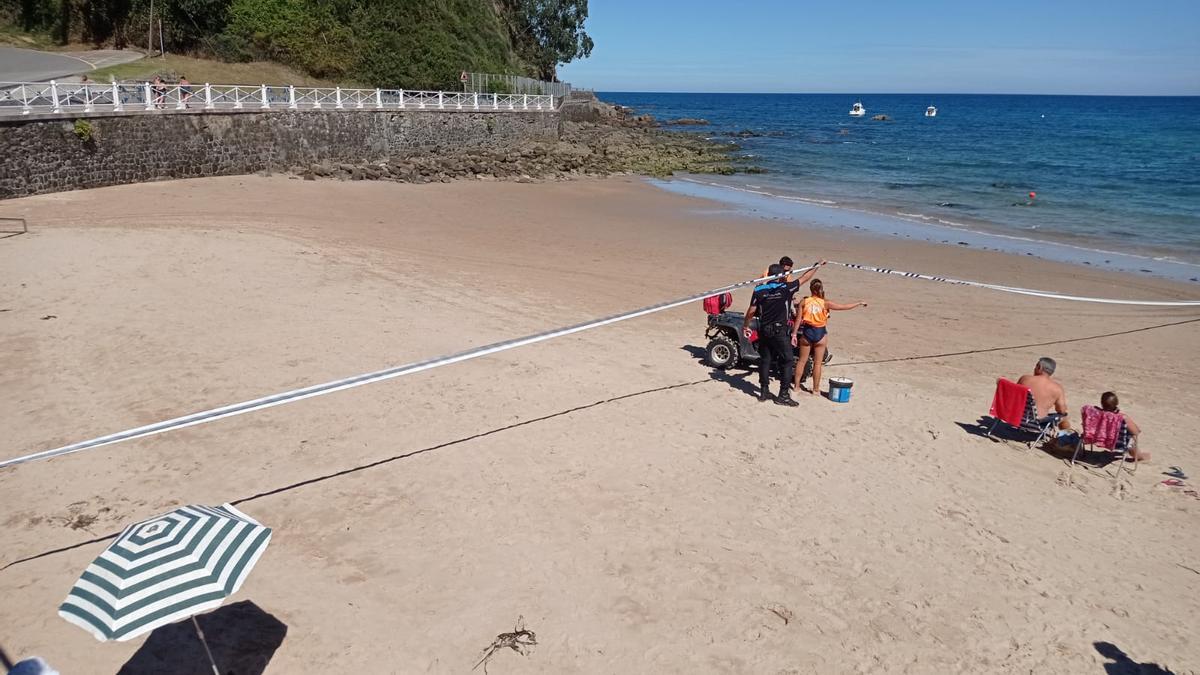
1109, 402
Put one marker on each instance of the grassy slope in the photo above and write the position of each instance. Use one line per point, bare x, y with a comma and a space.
11, 36
199, 71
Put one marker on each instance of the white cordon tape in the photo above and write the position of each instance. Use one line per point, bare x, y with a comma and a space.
365, 378
1021, 291
389, 373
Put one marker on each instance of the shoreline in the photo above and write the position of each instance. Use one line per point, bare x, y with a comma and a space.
955, 172
753, 201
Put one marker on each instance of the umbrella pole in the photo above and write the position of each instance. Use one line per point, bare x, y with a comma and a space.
200, 634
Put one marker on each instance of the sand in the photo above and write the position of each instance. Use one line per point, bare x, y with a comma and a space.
642, 512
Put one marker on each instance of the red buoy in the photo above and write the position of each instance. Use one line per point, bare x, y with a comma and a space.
1033, 195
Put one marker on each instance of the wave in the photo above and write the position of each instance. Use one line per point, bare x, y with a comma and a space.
907, 186
760, 191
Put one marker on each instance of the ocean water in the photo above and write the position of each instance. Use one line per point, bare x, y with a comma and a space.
1111, 174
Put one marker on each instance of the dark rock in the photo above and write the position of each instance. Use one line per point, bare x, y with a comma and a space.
689, 121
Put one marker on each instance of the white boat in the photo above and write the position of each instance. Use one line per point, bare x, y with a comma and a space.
857, 110
931, 111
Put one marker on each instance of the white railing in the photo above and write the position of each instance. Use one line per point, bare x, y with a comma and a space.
24, 98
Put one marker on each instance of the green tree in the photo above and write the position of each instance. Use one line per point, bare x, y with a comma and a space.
550, 32
425, 44
308, 34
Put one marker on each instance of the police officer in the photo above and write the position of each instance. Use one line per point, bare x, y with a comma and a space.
772, 303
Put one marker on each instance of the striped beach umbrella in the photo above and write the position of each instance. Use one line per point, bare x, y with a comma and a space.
165, 569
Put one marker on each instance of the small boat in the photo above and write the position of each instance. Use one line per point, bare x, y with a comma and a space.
931, 111
857, 110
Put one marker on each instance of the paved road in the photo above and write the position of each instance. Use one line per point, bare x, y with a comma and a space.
27, 65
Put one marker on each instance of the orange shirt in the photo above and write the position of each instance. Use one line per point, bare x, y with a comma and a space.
814, 312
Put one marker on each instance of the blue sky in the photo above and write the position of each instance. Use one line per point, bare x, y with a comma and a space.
919, 46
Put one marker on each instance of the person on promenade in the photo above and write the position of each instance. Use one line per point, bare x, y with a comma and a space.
159, 90
185, 90
1109, 402
771, 303
80, 97
1048, 395
809, 330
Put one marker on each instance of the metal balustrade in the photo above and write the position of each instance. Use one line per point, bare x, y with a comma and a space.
24, 98
485, 83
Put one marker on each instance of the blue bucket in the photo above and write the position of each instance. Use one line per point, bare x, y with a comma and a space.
839, 389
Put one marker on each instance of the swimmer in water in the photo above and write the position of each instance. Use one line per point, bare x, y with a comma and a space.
1032, 200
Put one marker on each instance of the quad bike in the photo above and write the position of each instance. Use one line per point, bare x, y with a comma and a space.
728, 347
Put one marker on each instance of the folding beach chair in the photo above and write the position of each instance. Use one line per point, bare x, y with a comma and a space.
1007, 409
1120, 444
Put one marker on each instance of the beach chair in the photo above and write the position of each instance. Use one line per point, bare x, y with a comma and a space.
1013, 405
1097, 430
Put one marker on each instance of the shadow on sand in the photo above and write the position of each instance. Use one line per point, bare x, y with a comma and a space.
242, 637
1006, 434
1121, 664
740, 378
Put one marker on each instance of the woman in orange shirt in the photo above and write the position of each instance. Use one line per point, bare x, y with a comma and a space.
809, 329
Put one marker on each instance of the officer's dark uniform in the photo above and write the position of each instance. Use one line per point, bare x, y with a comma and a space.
773, 301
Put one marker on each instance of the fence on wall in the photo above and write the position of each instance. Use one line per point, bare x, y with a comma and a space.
513, 84
24, 98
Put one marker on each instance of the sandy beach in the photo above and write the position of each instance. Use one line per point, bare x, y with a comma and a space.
640, 511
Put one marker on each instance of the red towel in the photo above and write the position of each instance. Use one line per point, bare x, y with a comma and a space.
1101, 427
1008, 405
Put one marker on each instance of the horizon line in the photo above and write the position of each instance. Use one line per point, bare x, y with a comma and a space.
886, 93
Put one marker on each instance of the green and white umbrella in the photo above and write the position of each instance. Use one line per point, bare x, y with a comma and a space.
166, 569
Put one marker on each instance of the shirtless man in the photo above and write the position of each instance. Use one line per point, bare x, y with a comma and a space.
1048, 394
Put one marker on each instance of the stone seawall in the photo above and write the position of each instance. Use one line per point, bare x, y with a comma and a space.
52, 155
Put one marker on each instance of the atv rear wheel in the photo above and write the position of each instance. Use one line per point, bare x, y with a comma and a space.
722, 352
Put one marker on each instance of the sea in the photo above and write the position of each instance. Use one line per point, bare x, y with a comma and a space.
1099, 180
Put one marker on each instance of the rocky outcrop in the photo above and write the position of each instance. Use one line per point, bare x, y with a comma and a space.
689, 122
586, 150
586, 108
595, 139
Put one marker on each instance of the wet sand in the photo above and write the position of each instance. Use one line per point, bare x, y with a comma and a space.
642, 512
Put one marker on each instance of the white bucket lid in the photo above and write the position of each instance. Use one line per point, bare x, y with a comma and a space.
842, 380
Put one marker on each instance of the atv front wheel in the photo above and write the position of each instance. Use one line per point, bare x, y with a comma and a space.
722, 352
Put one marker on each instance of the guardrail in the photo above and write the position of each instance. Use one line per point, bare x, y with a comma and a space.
515, 84
24, 98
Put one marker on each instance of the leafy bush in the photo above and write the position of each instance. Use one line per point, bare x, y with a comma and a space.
413, 44
83, 131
